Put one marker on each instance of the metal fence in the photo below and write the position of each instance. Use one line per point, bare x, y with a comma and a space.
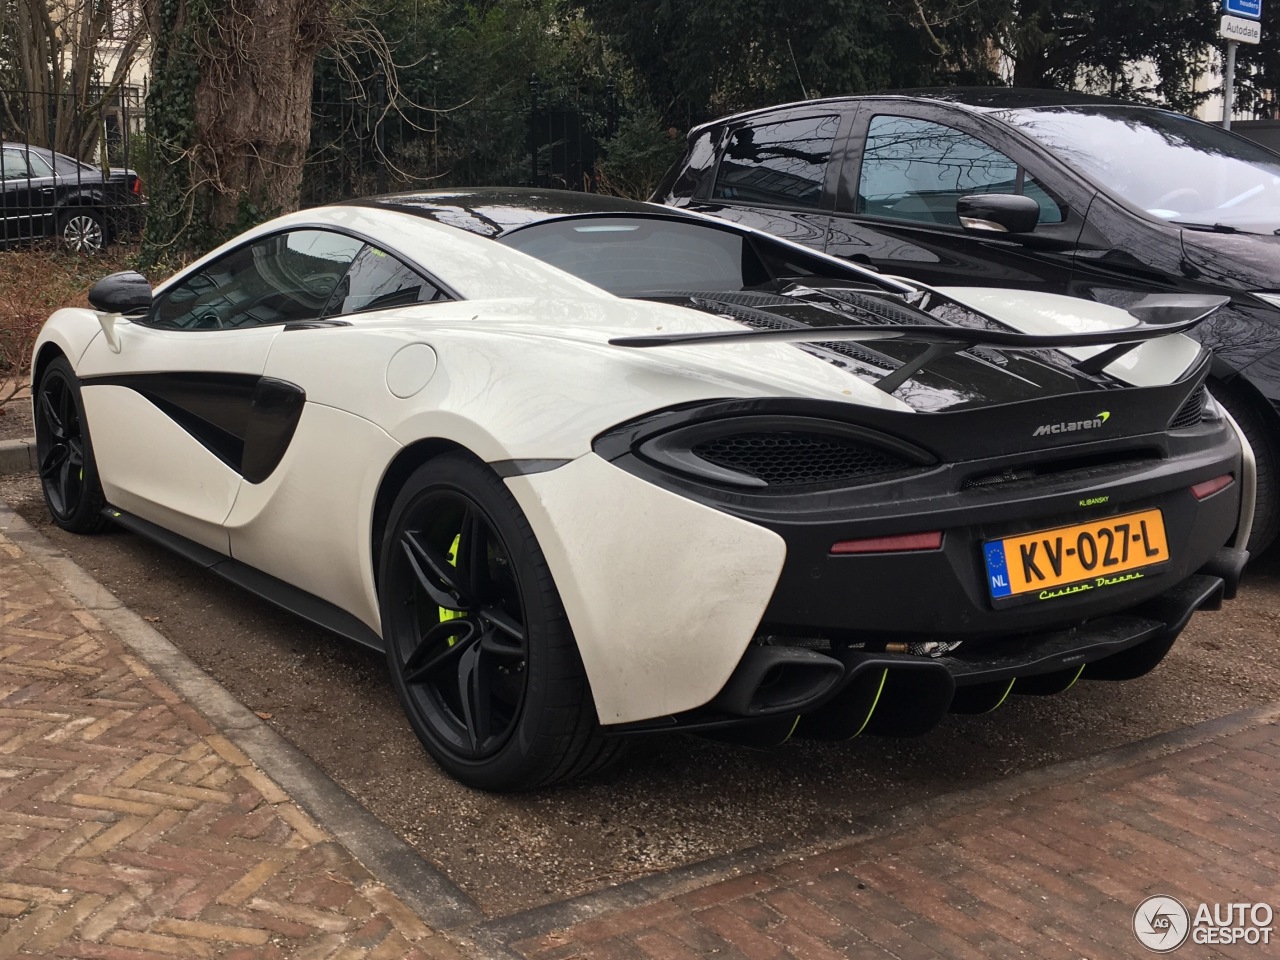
68, 166
101, 130
359, 145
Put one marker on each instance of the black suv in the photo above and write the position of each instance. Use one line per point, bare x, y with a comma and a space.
48, 194
1032, 189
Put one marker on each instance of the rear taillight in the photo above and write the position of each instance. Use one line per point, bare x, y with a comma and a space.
902, 543
1208, 488
137, 186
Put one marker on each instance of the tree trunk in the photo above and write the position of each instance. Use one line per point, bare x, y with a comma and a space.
253, 109
230, 113
1031, 38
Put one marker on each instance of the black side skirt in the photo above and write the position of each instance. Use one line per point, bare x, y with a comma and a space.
305, 605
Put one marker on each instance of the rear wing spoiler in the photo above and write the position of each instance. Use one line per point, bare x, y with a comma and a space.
1157, 316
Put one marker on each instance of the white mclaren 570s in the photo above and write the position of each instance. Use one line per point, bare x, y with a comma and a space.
584, 467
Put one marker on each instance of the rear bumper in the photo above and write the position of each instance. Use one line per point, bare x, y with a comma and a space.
779, 690
700, 605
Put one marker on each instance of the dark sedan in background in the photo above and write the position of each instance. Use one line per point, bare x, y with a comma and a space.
1033, 189
49, 194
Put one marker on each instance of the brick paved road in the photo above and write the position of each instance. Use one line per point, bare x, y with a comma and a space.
130, 830
1054, 874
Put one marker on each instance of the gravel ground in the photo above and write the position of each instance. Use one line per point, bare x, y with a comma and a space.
676, 799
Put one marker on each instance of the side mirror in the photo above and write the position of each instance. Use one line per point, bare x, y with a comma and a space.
998, 213
124, 292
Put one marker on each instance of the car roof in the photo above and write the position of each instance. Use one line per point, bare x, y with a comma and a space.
972, 99
50, 155
493, 211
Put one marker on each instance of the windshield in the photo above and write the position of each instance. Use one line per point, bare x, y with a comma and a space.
1164, 163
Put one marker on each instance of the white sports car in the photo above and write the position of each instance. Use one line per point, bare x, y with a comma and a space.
584, 467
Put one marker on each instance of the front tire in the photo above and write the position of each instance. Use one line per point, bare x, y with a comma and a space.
478, 645
68, 472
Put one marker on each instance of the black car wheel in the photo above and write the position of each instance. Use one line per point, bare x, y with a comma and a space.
479, 648
82, 230
68, 474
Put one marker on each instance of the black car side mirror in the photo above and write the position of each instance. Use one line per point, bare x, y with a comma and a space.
124, 292
998, 213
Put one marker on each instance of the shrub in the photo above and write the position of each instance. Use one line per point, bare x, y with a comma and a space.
34, 282
638, 155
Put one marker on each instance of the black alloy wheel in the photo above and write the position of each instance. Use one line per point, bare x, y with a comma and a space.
478, 645
68, 473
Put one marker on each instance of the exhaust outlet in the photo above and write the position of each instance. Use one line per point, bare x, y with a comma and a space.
777, 680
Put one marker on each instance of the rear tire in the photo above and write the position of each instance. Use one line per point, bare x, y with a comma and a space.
1261, 436
82, 229
68, 471
478, 644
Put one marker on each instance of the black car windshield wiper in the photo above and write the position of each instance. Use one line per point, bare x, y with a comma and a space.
1157, 316
1209, 227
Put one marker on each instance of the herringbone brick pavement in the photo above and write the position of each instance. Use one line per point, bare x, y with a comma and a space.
1055, 874
130, 830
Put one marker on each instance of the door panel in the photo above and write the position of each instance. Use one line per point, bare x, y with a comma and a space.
169, 416
151, 466
907, 166
15, 179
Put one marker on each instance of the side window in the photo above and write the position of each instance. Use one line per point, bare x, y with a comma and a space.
376, 281
277, 279
13, 165
699, 161
779, 163
917, 170
39, 165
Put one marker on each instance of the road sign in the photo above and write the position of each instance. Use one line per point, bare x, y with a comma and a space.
1251, 9
1240, 30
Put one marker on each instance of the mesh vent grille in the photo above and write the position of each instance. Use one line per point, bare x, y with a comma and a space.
762, 321
753, 318
792, 459
1059, 468
742, 298
1192, 411
847, 349
995, 479
883, 311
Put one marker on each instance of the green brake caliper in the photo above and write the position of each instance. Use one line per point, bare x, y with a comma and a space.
445, 613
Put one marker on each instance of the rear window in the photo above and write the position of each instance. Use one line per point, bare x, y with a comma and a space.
781, 164
628, 256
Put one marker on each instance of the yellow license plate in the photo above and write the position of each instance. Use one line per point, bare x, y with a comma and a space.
1075, 559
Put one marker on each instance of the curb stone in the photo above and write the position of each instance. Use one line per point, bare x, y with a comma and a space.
17, 456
